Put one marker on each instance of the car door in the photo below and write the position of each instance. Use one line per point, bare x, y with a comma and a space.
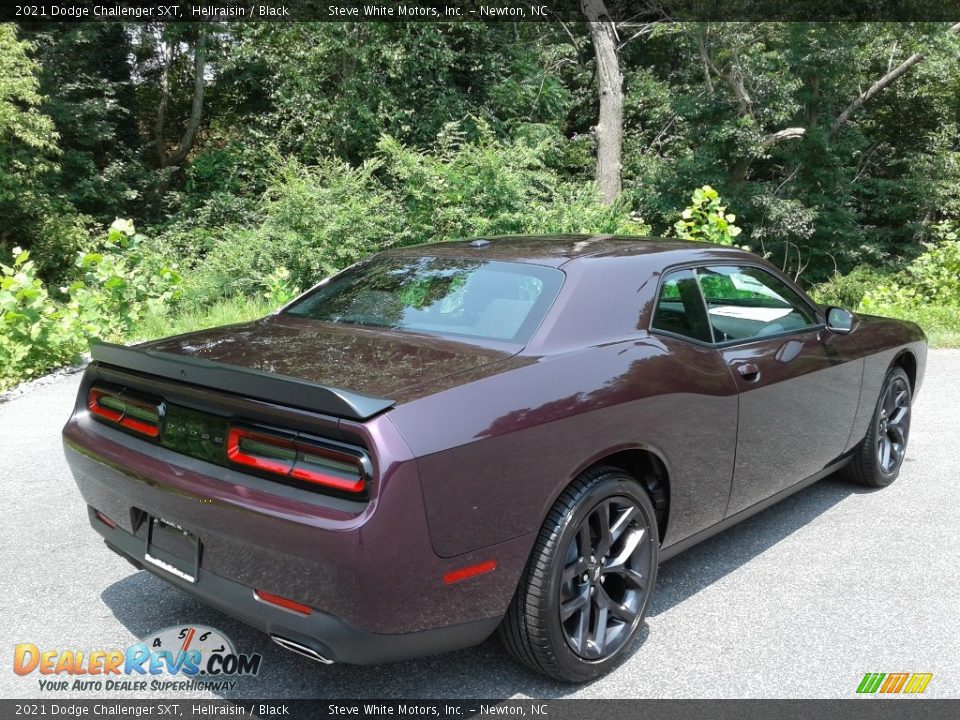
798, 393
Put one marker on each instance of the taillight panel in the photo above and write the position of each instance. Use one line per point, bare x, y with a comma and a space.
141, 416
316, 463
286, 456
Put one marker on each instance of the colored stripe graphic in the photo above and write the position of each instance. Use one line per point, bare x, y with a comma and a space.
918, 683
893, 683
870, 682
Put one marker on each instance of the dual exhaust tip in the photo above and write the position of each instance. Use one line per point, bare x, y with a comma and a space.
300, 649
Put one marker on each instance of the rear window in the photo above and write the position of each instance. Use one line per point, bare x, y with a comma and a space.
449, 296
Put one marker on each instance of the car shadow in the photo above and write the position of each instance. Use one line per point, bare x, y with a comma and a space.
144, 604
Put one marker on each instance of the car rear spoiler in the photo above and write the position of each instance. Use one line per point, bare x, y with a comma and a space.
272, 387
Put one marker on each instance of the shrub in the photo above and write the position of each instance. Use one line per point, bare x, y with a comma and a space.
706, 219
33, 334
849, 290
113, 295
114, 292
316, 220
932, 278
489, 186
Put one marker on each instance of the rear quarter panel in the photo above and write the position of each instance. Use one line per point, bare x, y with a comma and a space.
493, 455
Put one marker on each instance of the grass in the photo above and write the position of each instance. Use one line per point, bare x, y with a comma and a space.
223, 312
940, 323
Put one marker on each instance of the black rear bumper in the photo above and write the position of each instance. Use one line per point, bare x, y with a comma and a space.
329, 636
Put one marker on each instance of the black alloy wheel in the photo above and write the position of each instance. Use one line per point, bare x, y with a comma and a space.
893, 425
589, 580
605, 579
877, 460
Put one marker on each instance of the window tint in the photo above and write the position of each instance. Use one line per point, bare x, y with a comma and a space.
680, 308
450, 296
746, 302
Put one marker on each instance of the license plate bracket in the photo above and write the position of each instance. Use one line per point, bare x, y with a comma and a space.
172, 549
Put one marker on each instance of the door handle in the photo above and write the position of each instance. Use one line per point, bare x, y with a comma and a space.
749, 372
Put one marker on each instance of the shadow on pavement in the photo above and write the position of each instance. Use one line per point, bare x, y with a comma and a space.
145, 604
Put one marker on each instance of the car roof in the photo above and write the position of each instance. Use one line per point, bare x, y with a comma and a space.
558, 250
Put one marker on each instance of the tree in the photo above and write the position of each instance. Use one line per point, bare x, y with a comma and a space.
170, 46
891, 76
26, 133
609, 128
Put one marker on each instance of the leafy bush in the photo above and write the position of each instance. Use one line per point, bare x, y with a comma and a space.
33, 334
114, 292
488, 186
113, 295
706, 219
932, 278
315, 221
278, 290
849, 290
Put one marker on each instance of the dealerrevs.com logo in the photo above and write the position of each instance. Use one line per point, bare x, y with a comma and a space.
183, 658
894, 683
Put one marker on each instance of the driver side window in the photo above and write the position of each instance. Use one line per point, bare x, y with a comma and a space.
748, 302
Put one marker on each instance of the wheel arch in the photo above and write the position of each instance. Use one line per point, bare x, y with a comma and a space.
648, 469
907, 361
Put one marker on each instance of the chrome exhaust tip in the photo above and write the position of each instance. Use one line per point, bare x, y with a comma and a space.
300, 649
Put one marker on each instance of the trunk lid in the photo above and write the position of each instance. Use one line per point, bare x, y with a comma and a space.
372, 361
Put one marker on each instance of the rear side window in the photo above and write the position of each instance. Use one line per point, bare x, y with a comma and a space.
438, 295
748, 302
680, 308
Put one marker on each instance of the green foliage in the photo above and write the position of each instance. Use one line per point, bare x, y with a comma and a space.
848, 290
21, 122
113, 292
314, 220
933, 278
940, 323
278, 289
706, 220
488, 186
111, 298
162, 323
321, 143
33, 333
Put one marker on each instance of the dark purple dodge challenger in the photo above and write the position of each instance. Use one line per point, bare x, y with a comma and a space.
511, 434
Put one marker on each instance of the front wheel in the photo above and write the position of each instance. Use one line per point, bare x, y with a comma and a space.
589, 580
876, 461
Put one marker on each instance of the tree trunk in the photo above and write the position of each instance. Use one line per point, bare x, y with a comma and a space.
183, 148
196, 108
160, 122
609, 128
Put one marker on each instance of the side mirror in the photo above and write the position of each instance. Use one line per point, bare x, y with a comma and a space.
839, 320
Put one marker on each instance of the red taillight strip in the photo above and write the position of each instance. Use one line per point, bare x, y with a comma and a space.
470, 571
280, 601
297, 467
121, 417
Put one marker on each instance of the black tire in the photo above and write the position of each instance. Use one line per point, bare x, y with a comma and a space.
886, 437
612, 586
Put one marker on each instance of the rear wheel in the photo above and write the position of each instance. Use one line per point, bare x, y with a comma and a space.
588, 583
877, 460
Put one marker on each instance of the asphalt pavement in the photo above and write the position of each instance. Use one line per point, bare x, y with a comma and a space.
798, 601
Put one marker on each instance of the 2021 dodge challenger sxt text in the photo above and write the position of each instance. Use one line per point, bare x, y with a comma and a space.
509, 433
